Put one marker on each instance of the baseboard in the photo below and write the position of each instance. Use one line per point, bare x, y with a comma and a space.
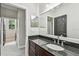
23, 46
10, 43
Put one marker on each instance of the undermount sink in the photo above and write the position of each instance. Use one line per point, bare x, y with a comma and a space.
55, 47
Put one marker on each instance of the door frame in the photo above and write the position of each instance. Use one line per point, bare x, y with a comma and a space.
26, 26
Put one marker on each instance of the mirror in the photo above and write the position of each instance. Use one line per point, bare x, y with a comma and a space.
63, 19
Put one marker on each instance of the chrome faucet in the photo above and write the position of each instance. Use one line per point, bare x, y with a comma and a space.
54, 41
58, 40
62, 42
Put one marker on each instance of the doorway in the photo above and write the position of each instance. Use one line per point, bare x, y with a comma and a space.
9, 29
50, 25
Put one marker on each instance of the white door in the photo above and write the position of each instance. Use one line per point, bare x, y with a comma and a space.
21, 29
0, 36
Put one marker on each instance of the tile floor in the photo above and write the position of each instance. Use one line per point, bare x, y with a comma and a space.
12, 50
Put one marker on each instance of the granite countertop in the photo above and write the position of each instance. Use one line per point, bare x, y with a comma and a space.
73, 40
68, 50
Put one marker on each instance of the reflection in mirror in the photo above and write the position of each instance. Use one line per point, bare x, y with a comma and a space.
34, 21
69, 27
60, 27
50, 25
34, 25
46, 24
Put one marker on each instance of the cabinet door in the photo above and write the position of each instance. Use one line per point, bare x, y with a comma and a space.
31, 48
42, 52
36, 50
31, 53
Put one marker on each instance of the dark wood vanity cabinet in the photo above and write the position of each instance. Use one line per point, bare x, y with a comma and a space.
42, 52
31, 48
36, 50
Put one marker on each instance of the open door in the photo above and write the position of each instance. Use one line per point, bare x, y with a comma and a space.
50, 25
0, 35
4, 36
21, 29
2, 30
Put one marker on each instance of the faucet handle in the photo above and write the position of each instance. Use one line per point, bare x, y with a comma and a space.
63, 34
58, 37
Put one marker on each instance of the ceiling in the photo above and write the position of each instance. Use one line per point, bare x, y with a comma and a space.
43, 7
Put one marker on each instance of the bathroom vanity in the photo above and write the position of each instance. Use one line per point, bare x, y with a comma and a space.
36, 50
37, 47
